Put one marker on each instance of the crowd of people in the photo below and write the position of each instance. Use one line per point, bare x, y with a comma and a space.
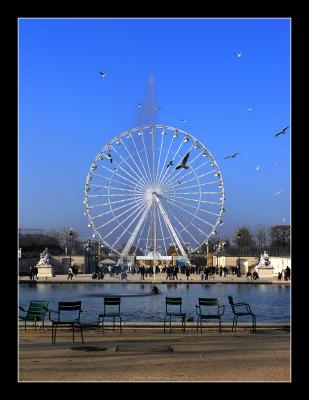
285, 274
33, 272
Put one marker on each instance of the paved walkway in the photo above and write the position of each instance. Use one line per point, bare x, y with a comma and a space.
159, 278
143, 355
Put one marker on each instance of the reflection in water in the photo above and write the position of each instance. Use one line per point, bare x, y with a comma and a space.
270, 303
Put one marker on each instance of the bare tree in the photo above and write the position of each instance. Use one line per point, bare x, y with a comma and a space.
280, 238
261, 237
243, 239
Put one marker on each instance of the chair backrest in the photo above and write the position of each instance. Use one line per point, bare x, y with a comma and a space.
70, 306
231, 301
112, 301
208, 301
37, 309
172, 302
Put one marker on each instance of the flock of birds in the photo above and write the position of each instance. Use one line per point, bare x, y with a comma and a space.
183, 163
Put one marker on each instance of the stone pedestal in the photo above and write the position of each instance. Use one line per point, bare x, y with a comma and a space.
265, 271
45, 271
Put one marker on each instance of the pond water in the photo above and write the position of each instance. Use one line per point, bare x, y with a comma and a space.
270, 303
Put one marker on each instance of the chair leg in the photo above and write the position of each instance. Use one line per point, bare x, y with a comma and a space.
52, 333
164, 324
55, 333
253, 324
25, 326
120, 322
170, 323
99, 324
236, 322
35, 324
73, 331
220, 325
233, 323
81, 332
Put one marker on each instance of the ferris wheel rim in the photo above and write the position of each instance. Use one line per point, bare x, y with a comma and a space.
146, 181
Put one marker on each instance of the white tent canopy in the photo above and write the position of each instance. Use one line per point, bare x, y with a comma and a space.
107, 261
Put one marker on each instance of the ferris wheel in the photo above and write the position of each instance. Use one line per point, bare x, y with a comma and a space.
151, 188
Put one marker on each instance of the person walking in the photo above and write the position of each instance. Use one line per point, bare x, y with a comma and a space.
287, 273
70, 273
187, 273
224, 272
35, 272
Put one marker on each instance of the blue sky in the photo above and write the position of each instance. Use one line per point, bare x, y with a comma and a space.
67, 112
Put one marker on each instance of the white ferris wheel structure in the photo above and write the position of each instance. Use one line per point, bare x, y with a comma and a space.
152, 187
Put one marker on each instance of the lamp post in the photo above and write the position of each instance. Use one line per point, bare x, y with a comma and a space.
207, 250
238, 266
71, 234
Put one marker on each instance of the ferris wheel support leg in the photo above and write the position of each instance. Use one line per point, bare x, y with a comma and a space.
135, 232
168, 223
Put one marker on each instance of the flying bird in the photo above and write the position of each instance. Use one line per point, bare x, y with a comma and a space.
281, 132
169, 164
183, 162
156, 109
183, 120
179, 182
110, 157
103, 74
231, 156
283, 220
277, 193
250, 109
258, 168
139, 105
238, 54
277, 164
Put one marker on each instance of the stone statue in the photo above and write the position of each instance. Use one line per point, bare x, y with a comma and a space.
44, 258
264, 260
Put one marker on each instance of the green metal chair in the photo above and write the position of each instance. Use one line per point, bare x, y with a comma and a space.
208, 308
240, 310
68, 314
173, 308
35, 313
111, 310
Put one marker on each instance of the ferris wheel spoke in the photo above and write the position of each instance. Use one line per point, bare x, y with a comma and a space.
139, 177
160, 153
145, 180
137, 211
132, 238
189, 164
121, 214
168, 223
142, 164
195, 200
114, 209
198, 185
189, 180
140, 236
164, 178
107, 203
147, 241
192, 223
147, 160
114, 180
134, 182
195, 216
165, 160
189, 205
134, 219
199, 192
161, 228
184, 228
